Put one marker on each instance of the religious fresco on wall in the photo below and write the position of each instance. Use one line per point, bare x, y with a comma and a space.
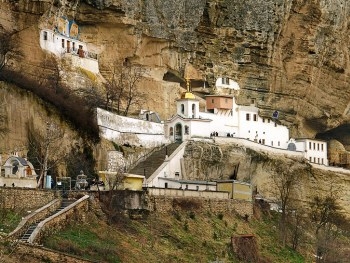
74, 30
62, 25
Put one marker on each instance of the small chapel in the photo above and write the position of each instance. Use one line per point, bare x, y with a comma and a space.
19, 172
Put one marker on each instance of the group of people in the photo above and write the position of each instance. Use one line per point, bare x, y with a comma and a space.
214, 134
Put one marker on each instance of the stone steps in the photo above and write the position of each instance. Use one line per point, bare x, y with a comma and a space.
156, 159
32, 227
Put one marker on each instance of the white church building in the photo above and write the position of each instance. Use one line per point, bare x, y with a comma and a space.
224, 117
63, 41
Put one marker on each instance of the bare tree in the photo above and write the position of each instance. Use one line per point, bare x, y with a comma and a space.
132, 94
5, 48
297, 226
327, 221
121, 89
3, 120
51, 76
285, 177
9, 49
46, 149
92, 96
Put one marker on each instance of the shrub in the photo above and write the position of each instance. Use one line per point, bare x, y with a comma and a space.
220, 216
187, 203
192, 215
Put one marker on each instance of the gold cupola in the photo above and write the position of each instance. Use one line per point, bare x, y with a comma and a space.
188, 94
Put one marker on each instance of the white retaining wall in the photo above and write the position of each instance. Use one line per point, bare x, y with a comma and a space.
259, 147
187, 193
122, 129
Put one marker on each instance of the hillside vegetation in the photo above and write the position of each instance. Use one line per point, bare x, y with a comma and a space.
177, 236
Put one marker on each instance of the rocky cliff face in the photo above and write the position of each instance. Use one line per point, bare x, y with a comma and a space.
222, 161
292, 55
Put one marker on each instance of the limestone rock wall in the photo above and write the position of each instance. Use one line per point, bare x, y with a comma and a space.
291, 55
201, 162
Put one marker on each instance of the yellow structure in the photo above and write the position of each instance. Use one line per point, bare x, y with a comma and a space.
188, 94
122, 181
133, 182
238, 190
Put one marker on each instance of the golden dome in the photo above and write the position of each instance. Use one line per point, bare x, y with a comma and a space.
187, 95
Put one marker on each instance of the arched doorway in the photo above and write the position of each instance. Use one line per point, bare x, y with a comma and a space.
178, 132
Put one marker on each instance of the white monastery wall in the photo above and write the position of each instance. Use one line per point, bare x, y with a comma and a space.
253, 127
86, 63
122, 129
52, 42
18, 182
221, 124
183, 186
259, 147
315, 151
168, 169
187, 193
200, 129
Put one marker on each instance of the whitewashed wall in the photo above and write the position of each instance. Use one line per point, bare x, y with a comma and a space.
187, 193
259, 147
274, 135
171, 165
85, 63
18, 182
53, 44
122, 130
221, 124
317, 153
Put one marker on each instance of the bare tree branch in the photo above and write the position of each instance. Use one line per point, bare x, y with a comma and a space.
45, 148
121, 89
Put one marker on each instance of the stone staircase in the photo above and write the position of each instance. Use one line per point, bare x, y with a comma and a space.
32, 227
156, 159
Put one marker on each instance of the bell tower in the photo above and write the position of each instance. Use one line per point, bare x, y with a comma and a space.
188, 105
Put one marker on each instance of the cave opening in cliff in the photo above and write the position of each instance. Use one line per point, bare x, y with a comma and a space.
340, 133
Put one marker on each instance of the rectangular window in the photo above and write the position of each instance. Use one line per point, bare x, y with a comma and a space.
309, 145
318, 160
263, 141
314, 146
310, 159
318, 146
322, 147
263, 119
255, 117
247, 116
271, 143
268, 120
73, 46
314, 159
226, 81
45, 35
212, 100
279, 144
62, 43
322, 161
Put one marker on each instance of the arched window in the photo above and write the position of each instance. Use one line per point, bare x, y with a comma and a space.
187, 130
182, 108
171, 131
193, 110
